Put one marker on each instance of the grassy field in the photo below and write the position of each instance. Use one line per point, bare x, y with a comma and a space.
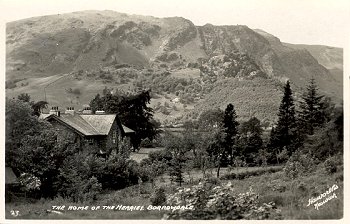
290, 196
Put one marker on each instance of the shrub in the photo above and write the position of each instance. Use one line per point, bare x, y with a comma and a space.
29, 181
292, 169
155, 165
91, 189
162, 155
339, 177
330, 165
118, 173
158, 197
220, 202
301, 189
147, 143
299, 164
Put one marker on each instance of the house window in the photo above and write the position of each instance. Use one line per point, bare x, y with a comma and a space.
114, 137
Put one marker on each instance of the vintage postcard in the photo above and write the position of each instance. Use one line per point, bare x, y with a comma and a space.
175, 110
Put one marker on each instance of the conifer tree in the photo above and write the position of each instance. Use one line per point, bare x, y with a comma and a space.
285, 131
230, 126
312, 109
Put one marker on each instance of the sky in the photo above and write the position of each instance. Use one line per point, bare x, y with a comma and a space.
293, 21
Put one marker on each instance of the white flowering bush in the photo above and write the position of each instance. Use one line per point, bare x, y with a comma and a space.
220, 202
29, 181
299, 164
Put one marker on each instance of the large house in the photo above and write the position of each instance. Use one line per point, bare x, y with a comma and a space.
86, 130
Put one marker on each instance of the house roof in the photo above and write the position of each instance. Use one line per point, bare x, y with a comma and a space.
81, 125
10, 177
127, 130
102, 123
88, 124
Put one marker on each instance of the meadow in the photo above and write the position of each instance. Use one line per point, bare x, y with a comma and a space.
291, 196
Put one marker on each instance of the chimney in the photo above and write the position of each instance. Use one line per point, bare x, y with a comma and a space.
70, 110
100, 112
54, 110
87, 110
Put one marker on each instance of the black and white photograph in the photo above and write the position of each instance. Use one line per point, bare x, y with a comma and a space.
174, 110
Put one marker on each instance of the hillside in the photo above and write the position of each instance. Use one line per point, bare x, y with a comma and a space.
69, 58
329, 57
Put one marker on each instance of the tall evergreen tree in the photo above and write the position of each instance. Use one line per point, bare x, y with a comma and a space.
312, 109
285, 131
231, 130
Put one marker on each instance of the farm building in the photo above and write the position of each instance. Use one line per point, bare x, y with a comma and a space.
10, 177
86, 130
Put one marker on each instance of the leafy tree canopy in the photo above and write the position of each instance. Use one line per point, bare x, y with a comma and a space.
132, 110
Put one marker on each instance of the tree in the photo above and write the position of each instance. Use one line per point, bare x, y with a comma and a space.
177, 147
31, 146
285, 133
211, 119
250, 140
20, 123
224, 139
176, 169
132, 110
96, 103
231, 130
24, 97
41, 156
312, 109
216, 147
327, 141
38, 107
135, 113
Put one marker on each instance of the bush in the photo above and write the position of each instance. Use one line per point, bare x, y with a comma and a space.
158, 197
146, 143
293, 169
91, 189
339, 177
118, 173
299, 164
330, 165
220, 202
156, 164
76, 180
82, 177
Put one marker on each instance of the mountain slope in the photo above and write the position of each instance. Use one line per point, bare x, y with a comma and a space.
71, 57
329, 57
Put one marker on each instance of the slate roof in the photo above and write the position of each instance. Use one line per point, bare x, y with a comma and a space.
79, 124
88, 124
102, 123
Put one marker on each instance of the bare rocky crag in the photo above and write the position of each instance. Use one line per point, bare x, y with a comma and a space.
93, 47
